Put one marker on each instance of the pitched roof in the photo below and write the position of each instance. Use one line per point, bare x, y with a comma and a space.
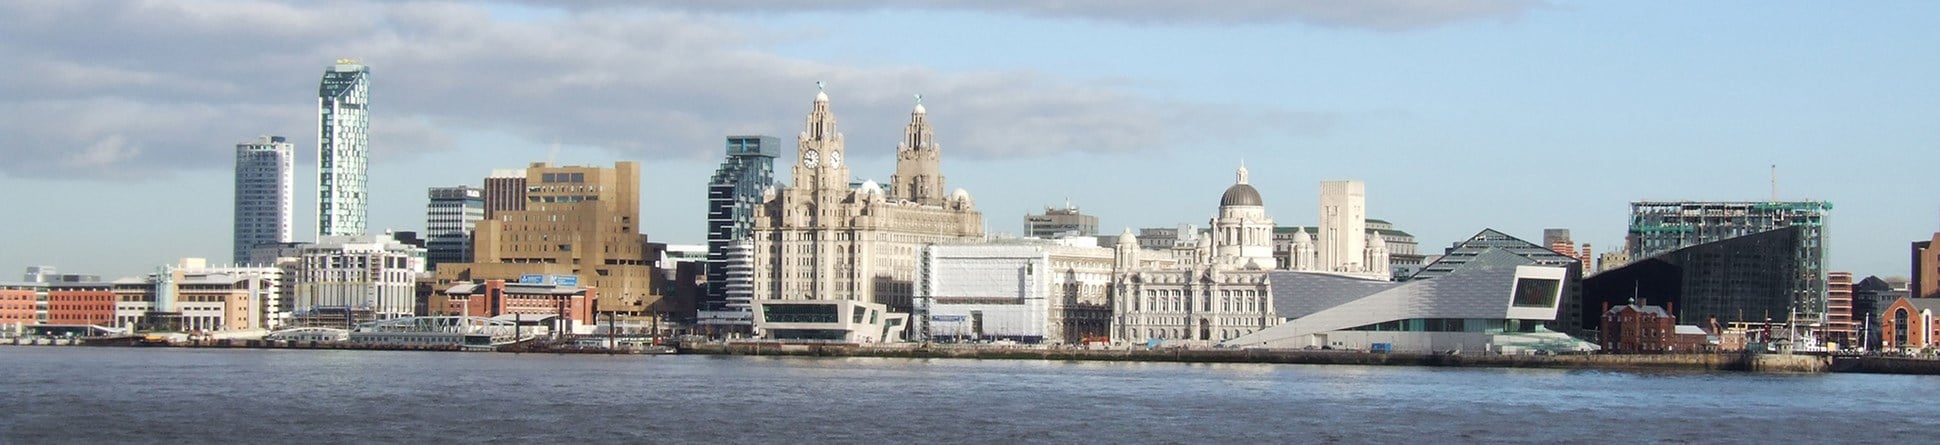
1646, 309
1479, 248
1925, 304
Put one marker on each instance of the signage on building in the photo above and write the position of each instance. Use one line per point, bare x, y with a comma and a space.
947, 318
566, 280
532, 278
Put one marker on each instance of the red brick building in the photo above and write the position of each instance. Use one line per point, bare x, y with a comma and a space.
17, 304
493, 298
1637, 328
1908, 324
81, 303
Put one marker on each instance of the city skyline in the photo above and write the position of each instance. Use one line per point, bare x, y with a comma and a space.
1507, 115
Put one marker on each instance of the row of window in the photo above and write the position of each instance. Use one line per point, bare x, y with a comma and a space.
562, 177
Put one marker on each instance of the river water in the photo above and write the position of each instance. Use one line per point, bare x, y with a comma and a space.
169, 395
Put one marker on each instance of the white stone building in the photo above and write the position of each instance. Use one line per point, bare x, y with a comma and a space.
819, 238
370, 272
1343, 245
1026, 290
1215, 291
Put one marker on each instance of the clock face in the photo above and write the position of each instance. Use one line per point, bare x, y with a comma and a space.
811, 158
835, 159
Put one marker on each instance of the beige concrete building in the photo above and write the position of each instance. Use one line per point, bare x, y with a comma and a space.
579, 221
194, 297
819, 238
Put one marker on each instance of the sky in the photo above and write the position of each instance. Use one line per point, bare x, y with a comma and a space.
119, 119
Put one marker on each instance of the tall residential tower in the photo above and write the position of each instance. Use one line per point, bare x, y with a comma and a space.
343, 149
263, 194
732, 194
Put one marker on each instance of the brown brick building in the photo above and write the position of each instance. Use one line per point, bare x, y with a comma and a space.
1925, 282
17, 304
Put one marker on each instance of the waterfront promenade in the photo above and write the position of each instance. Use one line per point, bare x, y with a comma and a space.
1703, 362
1762, 363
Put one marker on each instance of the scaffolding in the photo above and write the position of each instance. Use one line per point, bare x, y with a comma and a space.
1659, 227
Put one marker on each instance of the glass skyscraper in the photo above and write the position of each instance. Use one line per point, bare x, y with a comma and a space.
732, 195
449, 220
263, 194
343, 149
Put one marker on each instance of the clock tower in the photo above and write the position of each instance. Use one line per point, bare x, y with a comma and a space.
919, 171
818, 238
820, 165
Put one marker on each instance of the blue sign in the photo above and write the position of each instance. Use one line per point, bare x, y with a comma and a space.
949, 318
532, 278
566, 280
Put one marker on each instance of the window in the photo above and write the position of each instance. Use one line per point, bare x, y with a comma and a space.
1899, 327
1536, 292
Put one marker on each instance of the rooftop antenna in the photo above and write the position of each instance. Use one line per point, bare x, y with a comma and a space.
1774, 182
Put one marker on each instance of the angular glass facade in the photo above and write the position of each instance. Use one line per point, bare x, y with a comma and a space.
343, 149
732, 195
1660, 227
1752, 278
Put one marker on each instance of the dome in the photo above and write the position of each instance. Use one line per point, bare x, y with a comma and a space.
821, 96
1127, 238
920, 110
870, 186
1241, 195
960, 195
1301, 238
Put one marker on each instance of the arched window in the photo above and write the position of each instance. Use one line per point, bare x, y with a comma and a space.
1899, 327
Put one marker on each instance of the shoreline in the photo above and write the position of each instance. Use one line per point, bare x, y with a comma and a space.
1761, 363
1731, 362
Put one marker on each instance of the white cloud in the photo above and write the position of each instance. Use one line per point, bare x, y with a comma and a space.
1384, 15
161, 86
